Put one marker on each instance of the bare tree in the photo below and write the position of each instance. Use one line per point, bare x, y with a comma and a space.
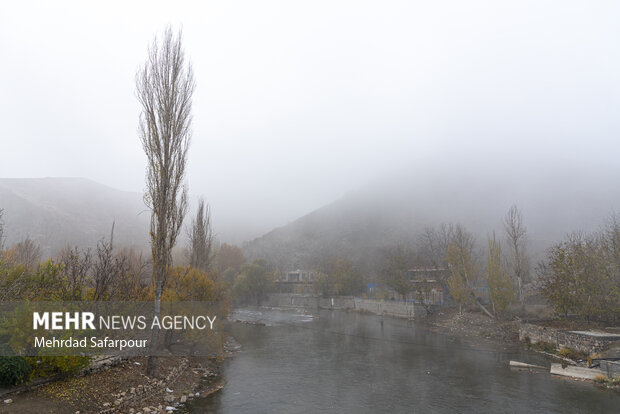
131, 284
201, 238
516, 235
27, 252
434, 243
107, 270
76, 268
164, 88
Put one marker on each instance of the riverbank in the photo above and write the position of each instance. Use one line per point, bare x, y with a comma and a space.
476, 328
123, 387
468, 325
473, 326
578, 346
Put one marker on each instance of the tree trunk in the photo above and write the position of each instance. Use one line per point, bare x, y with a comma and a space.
151, 366
485, 310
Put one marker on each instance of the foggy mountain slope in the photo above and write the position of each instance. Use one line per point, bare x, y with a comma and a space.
59, 211
395, 211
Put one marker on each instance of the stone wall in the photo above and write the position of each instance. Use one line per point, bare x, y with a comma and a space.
589, 342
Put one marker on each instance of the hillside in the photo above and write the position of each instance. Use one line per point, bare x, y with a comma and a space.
59, 211
395, 211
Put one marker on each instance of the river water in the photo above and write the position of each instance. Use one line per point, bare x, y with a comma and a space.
338, 362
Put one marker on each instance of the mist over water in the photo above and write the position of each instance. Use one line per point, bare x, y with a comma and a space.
350, 362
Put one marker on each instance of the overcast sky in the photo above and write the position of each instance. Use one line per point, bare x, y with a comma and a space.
298, 102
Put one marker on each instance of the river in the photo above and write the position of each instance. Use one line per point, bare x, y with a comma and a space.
339, 362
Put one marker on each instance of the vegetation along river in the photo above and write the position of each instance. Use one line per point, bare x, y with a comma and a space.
335, 362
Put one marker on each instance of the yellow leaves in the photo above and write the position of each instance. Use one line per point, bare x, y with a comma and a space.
187, 284
501, 291
70, 390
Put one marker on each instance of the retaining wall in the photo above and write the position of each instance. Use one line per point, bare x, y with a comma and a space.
388, 308
377, 307
611, 368
589, 342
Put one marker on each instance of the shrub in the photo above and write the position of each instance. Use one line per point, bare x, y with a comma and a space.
602, 379
573, 354
545, 346
49, 365
13, 370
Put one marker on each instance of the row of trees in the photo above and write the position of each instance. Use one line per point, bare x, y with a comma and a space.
74, 275
448, 246
579, 276
107, 273
104, 273
452, 248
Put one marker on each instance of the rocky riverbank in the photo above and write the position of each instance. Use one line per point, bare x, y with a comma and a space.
476, 328
124, 388
473, 326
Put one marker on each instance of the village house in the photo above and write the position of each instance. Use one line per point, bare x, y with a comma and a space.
295, 281
428, 285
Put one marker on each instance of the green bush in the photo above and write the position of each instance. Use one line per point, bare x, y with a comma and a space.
13, 370
45, 365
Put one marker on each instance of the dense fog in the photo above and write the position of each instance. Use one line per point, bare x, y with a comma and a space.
299, 104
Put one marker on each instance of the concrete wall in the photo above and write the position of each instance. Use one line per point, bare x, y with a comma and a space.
292, 300
377, 307
388, 308
339, 302
611, 368
584, 342
575, 372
